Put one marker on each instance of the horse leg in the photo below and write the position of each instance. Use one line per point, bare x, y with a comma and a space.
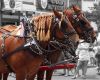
5, 76
32, 77
49, 74
20, 76
53, 59
0, 76
40, 75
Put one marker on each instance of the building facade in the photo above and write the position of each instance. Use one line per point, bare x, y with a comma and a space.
74, 2
85, 5
12, 10
88, 5
48, 5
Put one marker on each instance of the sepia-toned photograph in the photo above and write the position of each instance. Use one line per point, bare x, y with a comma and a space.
49, 39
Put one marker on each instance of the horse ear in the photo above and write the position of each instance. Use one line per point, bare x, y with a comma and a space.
76, 8
57, 14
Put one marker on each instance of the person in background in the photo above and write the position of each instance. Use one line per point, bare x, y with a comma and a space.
83, 58
92, 56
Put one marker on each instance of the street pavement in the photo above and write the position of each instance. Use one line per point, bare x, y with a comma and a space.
58, 75
91, 75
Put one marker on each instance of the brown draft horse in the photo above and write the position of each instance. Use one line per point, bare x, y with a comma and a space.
6, 29
68, 31
24, 62
81, 24
21, 58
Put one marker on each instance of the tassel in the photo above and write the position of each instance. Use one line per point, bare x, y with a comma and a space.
38, 35
47, 37
39, 27
43, 28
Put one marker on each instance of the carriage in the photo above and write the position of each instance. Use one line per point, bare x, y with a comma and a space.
42, 42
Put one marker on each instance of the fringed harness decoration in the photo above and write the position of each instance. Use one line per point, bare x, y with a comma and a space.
42, 24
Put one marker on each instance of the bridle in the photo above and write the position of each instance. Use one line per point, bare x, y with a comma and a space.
67, 42
86, 32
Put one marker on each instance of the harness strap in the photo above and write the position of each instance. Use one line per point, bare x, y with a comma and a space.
6, 55
63, 62
3, 43
3, 51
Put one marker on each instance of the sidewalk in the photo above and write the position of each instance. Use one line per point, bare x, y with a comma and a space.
91, 75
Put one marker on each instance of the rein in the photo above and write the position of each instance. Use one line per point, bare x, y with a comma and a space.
63, 62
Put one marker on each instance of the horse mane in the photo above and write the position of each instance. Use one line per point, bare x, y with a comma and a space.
42, 25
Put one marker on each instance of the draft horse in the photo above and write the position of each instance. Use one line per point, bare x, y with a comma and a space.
81, 24
24, 56
69, 45
6, 29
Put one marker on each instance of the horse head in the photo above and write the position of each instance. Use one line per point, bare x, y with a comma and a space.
66, 30
81, 24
